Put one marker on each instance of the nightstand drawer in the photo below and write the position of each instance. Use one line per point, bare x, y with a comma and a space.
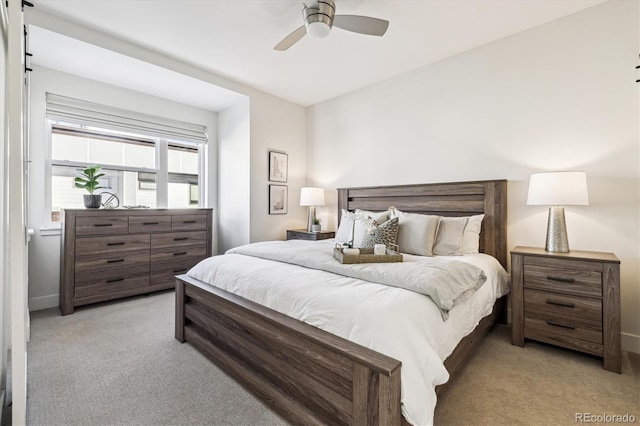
563, 326
582, 310
565, 280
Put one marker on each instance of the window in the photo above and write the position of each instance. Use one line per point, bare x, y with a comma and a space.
133, 166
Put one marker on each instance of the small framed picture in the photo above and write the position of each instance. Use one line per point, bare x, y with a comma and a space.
278, 163
278, 199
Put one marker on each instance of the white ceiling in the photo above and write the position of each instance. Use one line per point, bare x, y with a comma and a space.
235, 39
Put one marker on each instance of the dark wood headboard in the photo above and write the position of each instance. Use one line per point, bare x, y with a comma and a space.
443, 199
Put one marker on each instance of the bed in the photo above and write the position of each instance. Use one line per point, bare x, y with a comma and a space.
311, 376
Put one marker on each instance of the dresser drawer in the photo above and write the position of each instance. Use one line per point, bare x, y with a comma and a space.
112, 265
116, 243
94, 287
195, 222
161, 258
102, 225
139, 224
565, 280
177, 239
578, 309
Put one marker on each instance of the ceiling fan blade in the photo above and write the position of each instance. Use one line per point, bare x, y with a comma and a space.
361, 24
291, 39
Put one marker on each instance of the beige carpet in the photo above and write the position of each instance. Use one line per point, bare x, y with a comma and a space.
117, 363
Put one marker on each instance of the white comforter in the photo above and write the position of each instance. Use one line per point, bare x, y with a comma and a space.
396, 322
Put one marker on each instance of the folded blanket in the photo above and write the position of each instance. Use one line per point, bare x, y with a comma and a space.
447, 282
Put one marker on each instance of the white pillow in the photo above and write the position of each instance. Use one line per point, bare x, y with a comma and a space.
417, 232
449, 236
354, 227
471, 236
380, 217
343, 234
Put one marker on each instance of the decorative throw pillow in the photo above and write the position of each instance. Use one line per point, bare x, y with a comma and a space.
379, 217
343, 234
417, 232
471, 236
449, 235
353, 227
386, 234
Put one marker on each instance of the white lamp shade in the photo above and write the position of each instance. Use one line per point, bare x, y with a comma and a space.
558, 189
311, 196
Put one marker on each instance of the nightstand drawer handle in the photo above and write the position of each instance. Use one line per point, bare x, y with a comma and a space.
559, 324
565, 304
561, 279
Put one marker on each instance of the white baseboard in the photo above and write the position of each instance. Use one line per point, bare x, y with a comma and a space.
43, 302
630, 342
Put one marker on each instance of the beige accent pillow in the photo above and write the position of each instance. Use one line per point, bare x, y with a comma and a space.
471, 236
417, 232
449, 236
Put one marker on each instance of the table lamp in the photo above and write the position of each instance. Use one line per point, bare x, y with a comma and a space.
311, 197
556, 190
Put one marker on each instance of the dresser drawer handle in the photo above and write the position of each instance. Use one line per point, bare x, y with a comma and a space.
115, 280
115, 244
177, 271
559, 324
565, 304
115, 260
150, 223
180, 254
102, 224
561, 279
189, 221
181, 239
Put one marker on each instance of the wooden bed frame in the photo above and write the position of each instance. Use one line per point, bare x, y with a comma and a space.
309, 376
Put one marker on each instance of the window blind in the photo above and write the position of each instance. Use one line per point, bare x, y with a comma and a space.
71, 110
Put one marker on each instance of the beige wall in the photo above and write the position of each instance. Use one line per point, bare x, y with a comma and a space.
558, 97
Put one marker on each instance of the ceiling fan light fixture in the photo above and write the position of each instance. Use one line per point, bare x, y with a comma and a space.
318, 29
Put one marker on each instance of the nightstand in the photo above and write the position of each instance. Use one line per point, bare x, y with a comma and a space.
567, 299
303, 234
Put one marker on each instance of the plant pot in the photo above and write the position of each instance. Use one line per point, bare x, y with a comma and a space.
316, 228
92, 201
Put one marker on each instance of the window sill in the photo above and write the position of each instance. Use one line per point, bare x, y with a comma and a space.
50, 230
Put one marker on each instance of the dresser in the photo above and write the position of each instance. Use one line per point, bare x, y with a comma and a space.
567, 299
110, 254
303, 234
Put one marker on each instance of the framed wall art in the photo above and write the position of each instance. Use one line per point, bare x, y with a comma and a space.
278, 199
278, 164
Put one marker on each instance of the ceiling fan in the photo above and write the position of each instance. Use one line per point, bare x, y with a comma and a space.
319, 17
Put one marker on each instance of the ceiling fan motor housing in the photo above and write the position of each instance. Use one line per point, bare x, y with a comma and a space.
319, 20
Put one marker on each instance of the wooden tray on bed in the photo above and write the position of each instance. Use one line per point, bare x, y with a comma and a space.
366, 256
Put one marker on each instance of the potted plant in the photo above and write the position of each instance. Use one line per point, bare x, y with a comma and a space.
88, 179
316, 226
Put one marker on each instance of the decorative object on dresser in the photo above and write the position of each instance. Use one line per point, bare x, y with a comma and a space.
303, 234
558, 189
110, 254
88, 179
311, 197
570, 300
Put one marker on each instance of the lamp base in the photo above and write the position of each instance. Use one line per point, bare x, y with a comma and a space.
557, 240
311, 218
